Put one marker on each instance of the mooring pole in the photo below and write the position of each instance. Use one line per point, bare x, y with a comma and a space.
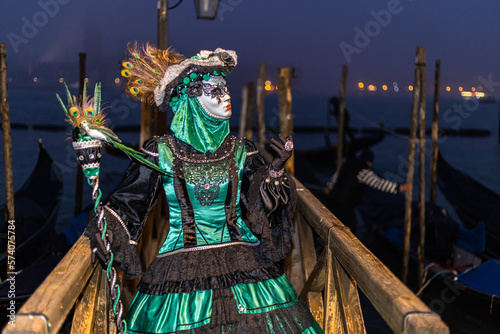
7, 138
340, 133
261, 122
79, 172
411, 163
244, 111
434, 134
421, 169
285, 104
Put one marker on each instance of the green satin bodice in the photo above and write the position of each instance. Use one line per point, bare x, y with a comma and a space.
206, 186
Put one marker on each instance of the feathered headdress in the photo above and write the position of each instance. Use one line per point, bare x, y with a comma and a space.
162, 76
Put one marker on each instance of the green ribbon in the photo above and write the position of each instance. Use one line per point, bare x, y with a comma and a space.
192, 125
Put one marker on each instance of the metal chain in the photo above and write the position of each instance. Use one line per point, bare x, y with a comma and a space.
111, 273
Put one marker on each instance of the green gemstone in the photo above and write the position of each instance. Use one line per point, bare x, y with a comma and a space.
216, 73
184, 90
186, 80
193, 75
206, 77
175, 98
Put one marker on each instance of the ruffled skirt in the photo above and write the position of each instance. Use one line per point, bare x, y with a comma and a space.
219, 290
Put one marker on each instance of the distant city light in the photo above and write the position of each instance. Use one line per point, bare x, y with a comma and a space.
117, 80
61, 80
272, 87
473, 89
410, 88
361, 85
460, 89
384, 87
479, 94
86, 80
35, 79
267, 87
466, 94
372, 88
396, 88
268, 83
448, 88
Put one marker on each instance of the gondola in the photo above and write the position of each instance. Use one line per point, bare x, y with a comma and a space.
459, 285
36, 206
473, 202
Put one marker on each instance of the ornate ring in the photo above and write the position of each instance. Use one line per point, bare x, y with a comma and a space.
288, 145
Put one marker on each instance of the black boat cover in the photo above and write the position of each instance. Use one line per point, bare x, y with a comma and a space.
472, 201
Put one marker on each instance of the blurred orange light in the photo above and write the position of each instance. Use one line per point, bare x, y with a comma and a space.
86, 80
268, 83
272, 87
460, 89
384, 87
410, 87
448, 88
35, 79
267, 87
361, 85
372, 88
473, 89
61, 80
117, 80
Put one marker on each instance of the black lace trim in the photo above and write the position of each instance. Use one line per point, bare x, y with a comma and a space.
207, 269
212, 282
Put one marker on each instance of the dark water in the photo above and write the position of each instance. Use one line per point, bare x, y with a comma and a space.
478, 156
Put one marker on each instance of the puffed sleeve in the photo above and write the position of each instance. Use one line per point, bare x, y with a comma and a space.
127, 209
269, 200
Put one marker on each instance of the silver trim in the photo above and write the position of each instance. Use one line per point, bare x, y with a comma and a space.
205, 247
114, 214
149, 152
79, 145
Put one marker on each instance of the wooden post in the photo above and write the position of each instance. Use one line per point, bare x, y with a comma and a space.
285, 104
244, 112
434, 134
261, 122
79, 172
145, 122
340, 133
411, 164
7, 156
421, 169
7, 139
250, 110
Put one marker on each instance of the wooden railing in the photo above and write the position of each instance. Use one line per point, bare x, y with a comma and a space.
344, 265
76, 284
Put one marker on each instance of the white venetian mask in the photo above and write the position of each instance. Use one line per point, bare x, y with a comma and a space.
215, 98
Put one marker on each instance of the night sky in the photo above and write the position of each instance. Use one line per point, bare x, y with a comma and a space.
377, 39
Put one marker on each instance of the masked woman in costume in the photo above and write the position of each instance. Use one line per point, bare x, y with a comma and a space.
220, 269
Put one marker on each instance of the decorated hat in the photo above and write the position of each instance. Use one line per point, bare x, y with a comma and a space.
162, 76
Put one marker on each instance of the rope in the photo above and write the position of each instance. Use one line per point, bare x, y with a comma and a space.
444, 271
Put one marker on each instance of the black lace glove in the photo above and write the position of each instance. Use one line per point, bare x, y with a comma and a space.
97, 246
283, 150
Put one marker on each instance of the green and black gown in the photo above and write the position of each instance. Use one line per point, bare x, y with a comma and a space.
220, 268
